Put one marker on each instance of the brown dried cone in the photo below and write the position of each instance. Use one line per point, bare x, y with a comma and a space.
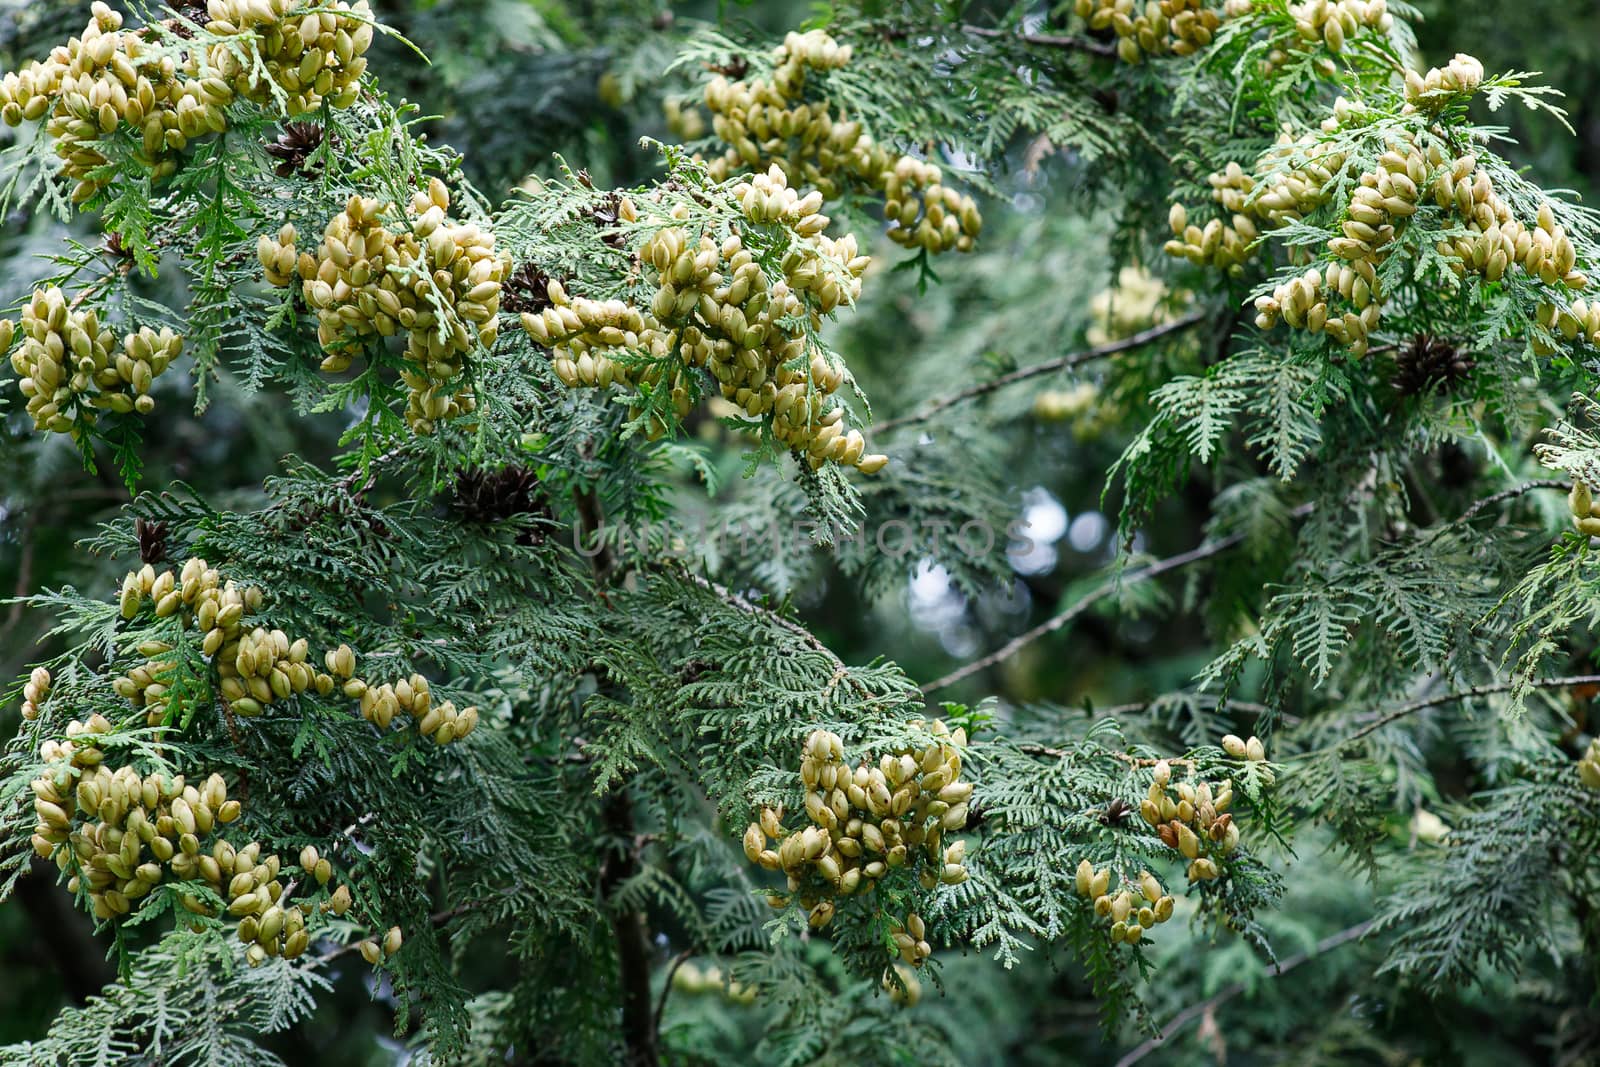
152, 537
1429, 362
527, 289
294, 146
193, 10
491, 496
606, 215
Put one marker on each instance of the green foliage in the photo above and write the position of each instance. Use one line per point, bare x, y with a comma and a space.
652, 613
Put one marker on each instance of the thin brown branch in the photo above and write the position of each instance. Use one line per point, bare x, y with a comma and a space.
1083, 604
1454, 695
591, 526
1509, 494
639, 1036
1195, 1011
1049, 366
666, 987
1044, 40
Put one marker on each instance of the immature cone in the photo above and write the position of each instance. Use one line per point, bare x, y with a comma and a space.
35, 692
1585, 511
1589, 766
902, 985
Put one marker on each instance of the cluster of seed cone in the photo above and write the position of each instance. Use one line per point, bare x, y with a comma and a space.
72, 366
105, 79
769, 122
435, 279
108, 79
1432, 91
1336, 25
715, 308
118, 835
1135, 910
695, 980
1411, 172
1382, 204
1138, 301
1155, 28
1193, 817
1335, 22
1275, 191
380, 703
257, 667
1266, 197
1184, 27
289, 55
864, 823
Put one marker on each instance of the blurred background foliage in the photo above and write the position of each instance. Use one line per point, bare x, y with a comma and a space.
513, 84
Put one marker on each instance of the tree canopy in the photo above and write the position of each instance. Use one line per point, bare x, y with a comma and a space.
628, 533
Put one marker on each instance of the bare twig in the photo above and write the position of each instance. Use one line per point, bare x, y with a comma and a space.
1049, 366
1083, 604
367, 474
1194, 1011
1113, 711
781, 621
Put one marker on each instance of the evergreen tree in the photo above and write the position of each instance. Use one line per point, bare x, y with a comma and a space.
457, 541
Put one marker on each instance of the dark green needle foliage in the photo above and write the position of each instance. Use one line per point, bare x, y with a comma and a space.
893, 533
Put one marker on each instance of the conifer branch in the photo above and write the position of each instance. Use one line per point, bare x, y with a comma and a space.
639, 1020
1126, 757
1049, 366
1044, 40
